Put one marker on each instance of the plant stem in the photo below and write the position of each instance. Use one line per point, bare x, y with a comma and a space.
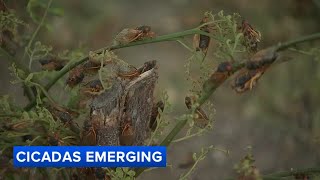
36, 32
278, 175
288, 44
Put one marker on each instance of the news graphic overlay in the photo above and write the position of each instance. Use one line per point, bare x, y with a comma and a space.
89, 156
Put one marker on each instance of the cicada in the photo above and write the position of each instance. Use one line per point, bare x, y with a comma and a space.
93, 87
89, 133
126, 137
130, 74
201, 119
52, 64
134, 72
201, 42
252, 37
145, 32
91, 68
63, 114
157, 107
55, 140
128, 35
147, 66
76, 76
248, 77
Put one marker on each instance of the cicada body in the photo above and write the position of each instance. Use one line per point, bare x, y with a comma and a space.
94, 87
127, 134
248, 77
129, 35
91, 68
252, 37
52, 64
201, 42
76, 76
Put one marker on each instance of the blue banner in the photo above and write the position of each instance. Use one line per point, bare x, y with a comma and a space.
89, 156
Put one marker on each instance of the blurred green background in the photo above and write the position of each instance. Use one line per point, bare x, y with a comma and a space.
279, 119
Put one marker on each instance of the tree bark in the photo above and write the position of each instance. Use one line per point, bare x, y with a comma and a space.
127, 100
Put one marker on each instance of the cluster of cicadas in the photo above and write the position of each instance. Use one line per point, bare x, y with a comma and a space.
254, 68
95, 87
251, 36
247, 77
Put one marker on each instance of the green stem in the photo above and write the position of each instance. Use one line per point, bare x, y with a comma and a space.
288, 44
36, 32
308, 171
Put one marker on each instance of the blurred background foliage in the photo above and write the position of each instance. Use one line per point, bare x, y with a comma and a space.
279, 119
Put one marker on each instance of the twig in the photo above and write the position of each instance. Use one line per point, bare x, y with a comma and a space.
36, 32
288, 44
308, 171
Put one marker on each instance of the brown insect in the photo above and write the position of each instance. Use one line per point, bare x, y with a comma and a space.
245, 80
225, 67
93, 87
129, 35
131, 74
145, 32
159, 106
89, 134
126, 137
147, 66
201, 119
76, 76
91, 67
136, 72
252, 37
63, 114
54, 140
201, 42
52, 64
248, 77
